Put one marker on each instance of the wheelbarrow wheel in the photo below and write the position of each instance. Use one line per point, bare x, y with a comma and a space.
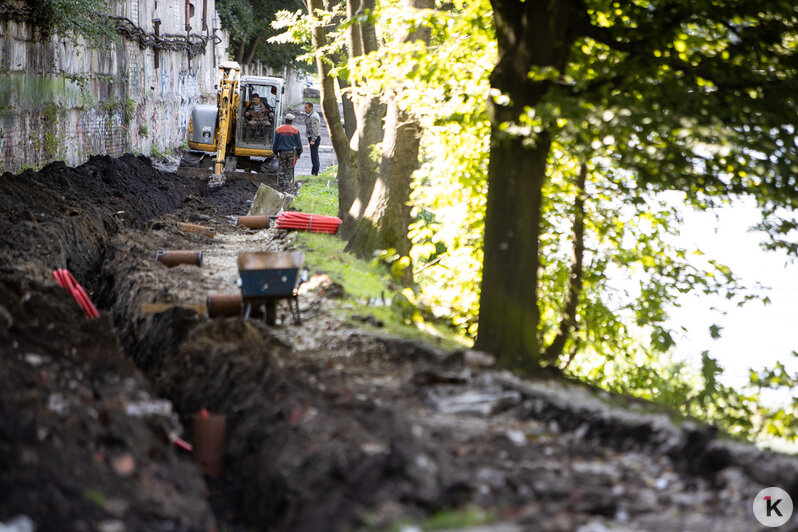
271, 312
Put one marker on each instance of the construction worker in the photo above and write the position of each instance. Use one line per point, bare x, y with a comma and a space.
288, 147
259, 115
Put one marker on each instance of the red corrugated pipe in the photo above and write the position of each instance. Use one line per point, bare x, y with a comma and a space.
316, 223
66, 280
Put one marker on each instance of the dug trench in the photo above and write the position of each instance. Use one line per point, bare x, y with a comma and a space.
329, 426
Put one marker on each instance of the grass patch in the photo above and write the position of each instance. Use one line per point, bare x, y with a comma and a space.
325, 253
318, 194
369, 291
368, 285
95, 496
450, 519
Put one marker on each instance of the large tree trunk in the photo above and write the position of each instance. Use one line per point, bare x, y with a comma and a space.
370, 114
529, 33
385, 220
384, 223
347, 162
348, 105
508, 311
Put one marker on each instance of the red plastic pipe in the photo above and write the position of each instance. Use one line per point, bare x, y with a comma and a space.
66, 280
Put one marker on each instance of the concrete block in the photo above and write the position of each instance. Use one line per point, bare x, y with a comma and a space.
269, 202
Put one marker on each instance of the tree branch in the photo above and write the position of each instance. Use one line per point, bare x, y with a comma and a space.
568, 322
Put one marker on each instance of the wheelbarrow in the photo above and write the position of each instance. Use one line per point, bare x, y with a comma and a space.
268, 277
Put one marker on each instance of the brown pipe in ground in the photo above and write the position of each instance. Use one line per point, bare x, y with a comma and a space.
192, 228
173, 258
208, 441
224, 305
253, 222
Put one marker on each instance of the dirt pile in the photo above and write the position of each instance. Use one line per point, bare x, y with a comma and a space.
329, 426
84, 442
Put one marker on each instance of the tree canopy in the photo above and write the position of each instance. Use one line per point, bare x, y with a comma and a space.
656, 96
249, 24
559, 148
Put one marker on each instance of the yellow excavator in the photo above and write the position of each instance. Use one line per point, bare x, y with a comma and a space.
230, 138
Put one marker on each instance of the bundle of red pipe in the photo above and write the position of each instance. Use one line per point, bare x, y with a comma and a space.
315, 223
66, 280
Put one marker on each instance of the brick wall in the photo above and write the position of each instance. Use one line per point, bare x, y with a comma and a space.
60, 100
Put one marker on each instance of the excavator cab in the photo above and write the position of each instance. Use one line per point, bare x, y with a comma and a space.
259, 109
237, 133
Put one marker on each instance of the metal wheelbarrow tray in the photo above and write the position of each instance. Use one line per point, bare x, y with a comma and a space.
267, 277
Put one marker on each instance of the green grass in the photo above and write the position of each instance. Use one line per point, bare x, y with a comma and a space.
318, 194
95, 496
368, 286
325, 253
450, 519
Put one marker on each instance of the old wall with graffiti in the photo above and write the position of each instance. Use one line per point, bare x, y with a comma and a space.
65, 100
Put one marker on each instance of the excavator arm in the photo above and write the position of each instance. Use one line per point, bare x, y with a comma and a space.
227, 103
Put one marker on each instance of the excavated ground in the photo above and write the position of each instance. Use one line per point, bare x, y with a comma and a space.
329, 426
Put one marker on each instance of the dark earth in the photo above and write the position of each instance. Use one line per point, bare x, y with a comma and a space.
330, 426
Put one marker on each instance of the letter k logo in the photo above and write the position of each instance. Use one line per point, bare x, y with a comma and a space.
773, 506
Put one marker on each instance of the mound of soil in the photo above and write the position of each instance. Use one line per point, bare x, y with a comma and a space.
329, 427
84, 442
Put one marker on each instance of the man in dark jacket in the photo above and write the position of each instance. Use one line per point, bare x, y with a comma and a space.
287, 147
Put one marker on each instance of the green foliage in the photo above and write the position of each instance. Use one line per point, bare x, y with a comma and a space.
130, 108
111, 104
52, 143
249, 24
144, 130
237, 17
673, 129
50, 112
75, 18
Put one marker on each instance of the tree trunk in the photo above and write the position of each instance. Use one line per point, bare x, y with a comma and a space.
370, 114
568, 321
368, 31
347, 162
529, 33
355, 44
253, 47
385, 220
240, 51
353, 35
508, 311
350, 118
384, 223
